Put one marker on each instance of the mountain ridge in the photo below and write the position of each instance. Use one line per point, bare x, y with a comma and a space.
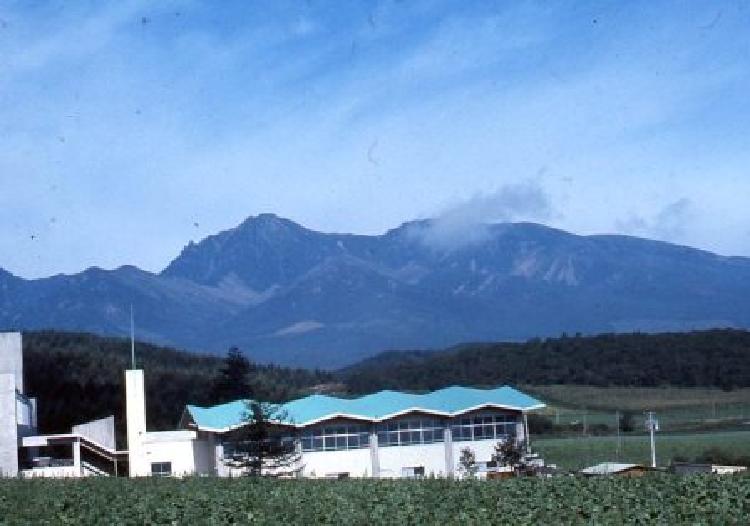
295, 296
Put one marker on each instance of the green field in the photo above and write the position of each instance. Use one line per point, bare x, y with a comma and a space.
678, 409
641, 398
578, 452
662, 499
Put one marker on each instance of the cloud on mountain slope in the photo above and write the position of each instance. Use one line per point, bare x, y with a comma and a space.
467, 223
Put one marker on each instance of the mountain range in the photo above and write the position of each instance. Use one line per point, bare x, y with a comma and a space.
290, 295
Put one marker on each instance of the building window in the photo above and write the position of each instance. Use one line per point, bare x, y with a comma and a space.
161, 469
335, 438
413, 472
410, 431
483, 427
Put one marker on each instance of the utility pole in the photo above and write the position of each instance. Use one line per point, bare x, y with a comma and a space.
584, 421
619, 439
652, 425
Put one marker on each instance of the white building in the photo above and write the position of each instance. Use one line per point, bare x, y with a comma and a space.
88, 449
386, 434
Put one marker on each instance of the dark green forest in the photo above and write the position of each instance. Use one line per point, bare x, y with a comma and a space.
715, 358
78, 377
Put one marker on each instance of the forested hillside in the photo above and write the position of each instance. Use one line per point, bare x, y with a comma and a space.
77, 377
717, 358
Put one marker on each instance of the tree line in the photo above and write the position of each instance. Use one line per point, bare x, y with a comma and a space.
714, 358
78, 377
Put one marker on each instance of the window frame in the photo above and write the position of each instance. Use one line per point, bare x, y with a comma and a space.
411, 431
483, 426
161, 472
335, 437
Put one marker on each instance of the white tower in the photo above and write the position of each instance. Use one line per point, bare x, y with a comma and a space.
135, 409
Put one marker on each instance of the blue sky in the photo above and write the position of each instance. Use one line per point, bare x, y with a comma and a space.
128, 129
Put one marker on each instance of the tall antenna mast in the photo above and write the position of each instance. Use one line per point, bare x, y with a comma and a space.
132, 338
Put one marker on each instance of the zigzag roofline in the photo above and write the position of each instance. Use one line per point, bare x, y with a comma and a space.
376, 407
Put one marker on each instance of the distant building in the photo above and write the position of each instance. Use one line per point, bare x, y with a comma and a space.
687, 468
617, 469
88, 449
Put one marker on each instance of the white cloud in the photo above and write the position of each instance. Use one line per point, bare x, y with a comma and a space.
673, 222
466, 223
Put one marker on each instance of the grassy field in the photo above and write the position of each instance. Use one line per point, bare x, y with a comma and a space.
576, 453
692, 422
654, 499
678, 409
640, 398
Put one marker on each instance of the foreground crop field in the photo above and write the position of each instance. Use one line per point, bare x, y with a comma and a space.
663, 499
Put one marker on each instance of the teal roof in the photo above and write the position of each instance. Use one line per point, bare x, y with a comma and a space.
374, 407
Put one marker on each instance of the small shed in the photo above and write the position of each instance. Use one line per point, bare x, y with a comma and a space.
615, 468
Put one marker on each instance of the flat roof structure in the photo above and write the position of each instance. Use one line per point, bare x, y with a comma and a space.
613, 468
383, 405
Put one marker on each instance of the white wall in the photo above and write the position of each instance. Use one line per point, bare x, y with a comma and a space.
483, 451
177, 447
11, 356
204, 455
430, 456
356, 462
101, 431
135, 408
8, 426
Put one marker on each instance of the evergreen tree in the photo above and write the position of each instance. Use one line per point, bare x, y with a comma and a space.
262, 447
233, 381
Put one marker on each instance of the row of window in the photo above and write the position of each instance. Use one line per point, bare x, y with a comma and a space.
330, 438
335, 443
406, 432
482, 432
410, 431
483, 427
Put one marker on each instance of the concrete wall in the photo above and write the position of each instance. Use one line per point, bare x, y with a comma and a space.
177, 447
483, 451
356, 462
11, 356
101, 431
204, 451
187, 454
8, 426
391, 459
430, 456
